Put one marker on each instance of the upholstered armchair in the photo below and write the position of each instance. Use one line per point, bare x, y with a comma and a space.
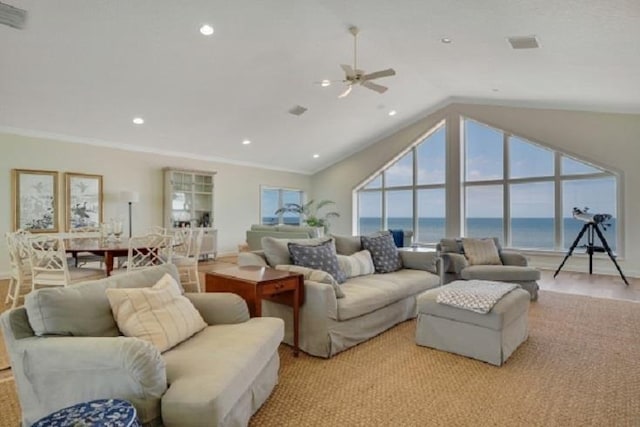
510, 267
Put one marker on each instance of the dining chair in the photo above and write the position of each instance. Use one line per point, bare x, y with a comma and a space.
187, 260
83, 258
20, 278
149, 250
49, 266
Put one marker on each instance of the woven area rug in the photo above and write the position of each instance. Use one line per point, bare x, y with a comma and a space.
579, 367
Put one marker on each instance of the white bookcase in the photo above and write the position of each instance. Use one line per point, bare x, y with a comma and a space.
188, 202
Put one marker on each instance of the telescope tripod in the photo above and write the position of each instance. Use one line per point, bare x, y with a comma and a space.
591, 228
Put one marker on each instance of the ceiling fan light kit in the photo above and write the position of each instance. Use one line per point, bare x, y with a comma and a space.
356, 76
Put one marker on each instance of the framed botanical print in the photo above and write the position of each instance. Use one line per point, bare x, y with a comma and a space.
83, 200
35, 200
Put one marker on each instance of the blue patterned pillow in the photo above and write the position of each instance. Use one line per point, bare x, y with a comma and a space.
384, 252
320, 257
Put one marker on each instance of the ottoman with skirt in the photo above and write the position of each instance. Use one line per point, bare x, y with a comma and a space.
491, 337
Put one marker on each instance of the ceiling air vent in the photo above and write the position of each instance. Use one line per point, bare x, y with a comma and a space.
298, 110
12, 16
524, 42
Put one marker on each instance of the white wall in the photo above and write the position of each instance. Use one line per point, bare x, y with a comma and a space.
611, 140
237, 188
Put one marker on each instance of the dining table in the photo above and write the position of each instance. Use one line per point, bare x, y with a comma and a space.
109, 249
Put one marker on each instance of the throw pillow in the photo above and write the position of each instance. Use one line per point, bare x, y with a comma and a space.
347, 245
358, 264
481, 252
276, 250
314, 275
159, 314
321, 257
384, 252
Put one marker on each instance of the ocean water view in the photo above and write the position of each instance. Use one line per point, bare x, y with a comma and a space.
526, 233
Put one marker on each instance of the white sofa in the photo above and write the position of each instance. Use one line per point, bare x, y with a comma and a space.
65, 348
371, 304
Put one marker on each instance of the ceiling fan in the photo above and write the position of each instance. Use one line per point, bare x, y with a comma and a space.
354, 76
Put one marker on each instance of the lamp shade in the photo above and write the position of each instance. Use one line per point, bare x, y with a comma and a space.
130, 196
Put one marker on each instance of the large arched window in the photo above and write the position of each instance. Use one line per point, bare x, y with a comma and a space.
517, 190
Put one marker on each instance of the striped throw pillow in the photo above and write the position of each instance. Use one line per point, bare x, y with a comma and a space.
357, 264
159, 314
481, 252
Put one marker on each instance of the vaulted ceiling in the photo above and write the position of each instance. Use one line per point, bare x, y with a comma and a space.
82, 70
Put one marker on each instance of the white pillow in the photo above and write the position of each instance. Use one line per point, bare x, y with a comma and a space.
159, 314
481, 252
319, 276
357, 264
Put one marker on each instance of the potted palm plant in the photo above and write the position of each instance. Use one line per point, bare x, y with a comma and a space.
309, 213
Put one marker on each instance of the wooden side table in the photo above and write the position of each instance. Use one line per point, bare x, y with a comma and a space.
254, 284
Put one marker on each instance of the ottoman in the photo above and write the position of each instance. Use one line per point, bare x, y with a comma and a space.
490, 337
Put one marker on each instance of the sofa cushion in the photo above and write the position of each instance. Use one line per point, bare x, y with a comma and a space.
347, 245
501, 273
481, 252
384, 252
320, 257
209, 372
365, 294
83, 309
159, 314
314, 275
276, 250
358, 264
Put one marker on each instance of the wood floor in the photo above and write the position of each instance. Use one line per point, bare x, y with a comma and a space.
595, 285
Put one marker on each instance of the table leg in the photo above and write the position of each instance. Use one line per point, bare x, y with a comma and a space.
296, 320
108, 262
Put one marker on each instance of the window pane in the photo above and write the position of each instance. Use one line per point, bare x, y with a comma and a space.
400, 210
369, 211
599, 195
431, 158
268, 205
401, 172
527, 160
574, 167
483, 152
291, 197
532, 215
431, 215
484, 212
375, 182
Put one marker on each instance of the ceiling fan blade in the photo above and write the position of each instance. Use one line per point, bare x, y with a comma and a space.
348, 71
346, 92
373, 86
377, 74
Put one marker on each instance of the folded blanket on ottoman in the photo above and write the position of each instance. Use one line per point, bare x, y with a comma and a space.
475, 295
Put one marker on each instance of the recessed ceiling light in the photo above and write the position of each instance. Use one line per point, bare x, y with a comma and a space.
138, 120
446, 40
325, 83
495, 89
246, 142
206, 30
315, 156
393, 112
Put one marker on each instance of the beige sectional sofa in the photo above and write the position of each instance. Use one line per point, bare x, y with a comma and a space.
65, 348
371, 304
282, 231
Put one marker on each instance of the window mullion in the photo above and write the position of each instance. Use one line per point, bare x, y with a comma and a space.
506, 196
558, 221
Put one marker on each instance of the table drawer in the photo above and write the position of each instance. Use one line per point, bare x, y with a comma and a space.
274, 288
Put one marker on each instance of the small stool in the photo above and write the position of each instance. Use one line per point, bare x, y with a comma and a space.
97, 413
526, 277
490, 337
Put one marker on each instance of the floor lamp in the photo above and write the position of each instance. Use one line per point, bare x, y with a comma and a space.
130, 197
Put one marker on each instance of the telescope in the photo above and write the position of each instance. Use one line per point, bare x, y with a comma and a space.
584, 215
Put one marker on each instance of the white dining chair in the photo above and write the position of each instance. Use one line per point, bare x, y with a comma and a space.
83, 258
187, 260
149, 250
49, 265
20, 278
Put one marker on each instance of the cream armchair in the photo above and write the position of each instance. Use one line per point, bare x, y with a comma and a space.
65, 348
514, 268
